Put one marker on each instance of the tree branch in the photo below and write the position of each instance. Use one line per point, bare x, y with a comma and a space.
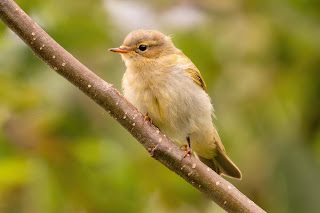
159, 147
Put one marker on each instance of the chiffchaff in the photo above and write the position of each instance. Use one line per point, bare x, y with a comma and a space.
163, 83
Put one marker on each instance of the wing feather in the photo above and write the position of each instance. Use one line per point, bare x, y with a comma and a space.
196, 77
186, 64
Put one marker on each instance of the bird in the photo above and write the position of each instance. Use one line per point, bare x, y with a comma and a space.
163, 83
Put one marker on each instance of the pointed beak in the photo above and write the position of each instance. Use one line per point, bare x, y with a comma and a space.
119, 50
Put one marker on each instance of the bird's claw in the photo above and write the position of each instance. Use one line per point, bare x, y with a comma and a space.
147, 118
187, 150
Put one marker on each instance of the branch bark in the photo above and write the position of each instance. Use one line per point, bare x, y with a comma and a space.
158, 146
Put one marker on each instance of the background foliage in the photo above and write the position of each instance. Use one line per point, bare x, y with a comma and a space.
59, 152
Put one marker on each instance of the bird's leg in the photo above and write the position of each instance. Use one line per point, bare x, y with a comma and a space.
187, 148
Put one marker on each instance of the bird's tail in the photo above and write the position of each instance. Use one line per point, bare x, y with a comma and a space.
222, 164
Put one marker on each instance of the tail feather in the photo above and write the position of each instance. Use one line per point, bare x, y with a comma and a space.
226, 165
222, 164
208, 162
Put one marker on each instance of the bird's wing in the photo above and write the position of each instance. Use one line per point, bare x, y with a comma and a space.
185, 64
195, 75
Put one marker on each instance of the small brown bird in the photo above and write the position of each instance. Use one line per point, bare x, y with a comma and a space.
163, 83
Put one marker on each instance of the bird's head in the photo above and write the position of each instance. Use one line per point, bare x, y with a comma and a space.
141, 46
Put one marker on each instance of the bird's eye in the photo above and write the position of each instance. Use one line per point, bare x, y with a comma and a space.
142, 47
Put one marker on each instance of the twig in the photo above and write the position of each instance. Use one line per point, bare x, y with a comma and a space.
159, 147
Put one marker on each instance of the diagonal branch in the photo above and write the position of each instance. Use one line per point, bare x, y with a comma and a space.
159, 147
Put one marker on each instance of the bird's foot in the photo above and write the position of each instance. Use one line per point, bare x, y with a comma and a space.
147, 118
187, 149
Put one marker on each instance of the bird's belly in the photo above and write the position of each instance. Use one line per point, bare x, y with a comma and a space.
148, 101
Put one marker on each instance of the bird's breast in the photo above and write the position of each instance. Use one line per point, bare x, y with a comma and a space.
147, 92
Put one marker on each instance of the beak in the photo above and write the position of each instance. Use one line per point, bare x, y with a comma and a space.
119, 50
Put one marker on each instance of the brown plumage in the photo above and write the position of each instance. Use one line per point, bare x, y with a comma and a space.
161, 81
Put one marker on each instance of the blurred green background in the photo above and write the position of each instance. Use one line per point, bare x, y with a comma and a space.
60, 152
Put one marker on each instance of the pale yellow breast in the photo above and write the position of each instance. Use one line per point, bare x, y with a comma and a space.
146, 92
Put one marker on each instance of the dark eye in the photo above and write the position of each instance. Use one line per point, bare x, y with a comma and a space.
142, 47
